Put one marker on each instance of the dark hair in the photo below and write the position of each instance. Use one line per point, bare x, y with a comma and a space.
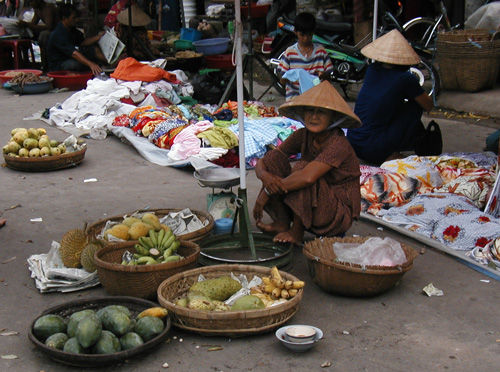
65, 10
305, 23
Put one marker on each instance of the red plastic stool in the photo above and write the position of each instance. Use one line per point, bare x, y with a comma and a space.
16, 54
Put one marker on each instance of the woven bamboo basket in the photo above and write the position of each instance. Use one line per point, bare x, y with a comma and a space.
95, 230
224, 323
351, 279
140, 281
469, 65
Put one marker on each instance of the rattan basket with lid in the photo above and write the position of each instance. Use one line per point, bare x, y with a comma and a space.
351, 279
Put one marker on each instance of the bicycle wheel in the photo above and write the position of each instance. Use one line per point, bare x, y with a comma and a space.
428, 77
421, 32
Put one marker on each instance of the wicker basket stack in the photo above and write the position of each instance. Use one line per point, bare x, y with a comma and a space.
469, 60
352, 279
224, 323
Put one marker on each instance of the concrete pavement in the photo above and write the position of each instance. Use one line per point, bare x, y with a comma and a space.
401, 330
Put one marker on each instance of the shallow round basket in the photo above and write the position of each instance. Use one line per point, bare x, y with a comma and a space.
224, 323
7, 75
34, 87
351, 279
135, 305
94, 230
139, 280
46, 163
72, 80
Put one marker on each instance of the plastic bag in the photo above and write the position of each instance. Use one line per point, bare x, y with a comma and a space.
374, 251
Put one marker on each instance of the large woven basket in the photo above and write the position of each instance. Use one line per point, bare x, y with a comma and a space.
96, 229
140, 280
224, 323
352, 279
468, 61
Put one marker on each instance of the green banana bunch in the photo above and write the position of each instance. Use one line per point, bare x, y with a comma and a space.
158, 247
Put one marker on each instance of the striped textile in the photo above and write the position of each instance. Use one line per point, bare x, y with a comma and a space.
318, 63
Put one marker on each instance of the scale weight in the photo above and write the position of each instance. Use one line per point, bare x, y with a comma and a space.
221, 205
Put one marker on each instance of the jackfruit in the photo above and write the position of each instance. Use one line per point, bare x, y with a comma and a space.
152, 219
219, 289
72, 244
248, 302
88, 252
139, 229
200, 304
221, 306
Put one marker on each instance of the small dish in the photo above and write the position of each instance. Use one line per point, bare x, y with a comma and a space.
298, 347
300, 333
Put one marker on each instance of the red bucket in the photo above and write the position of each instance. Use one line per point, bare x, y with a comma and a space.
220, 61
73, 80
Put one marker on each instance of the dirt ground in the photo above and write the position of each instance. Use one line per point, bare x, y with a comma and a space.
400, 330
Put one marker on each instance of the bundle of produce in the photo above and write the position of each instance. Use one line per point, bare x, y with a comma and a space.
108, 330
35, 143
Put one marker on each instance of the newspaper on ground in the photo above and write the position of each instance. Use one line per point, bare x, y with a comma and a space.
51, 275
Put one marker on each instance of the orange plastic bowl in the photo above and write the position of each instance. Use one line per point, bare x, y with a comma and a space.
7, 75
73, 80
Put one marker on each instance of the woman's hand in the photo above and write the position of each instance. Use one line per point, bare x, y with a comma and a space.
273, 184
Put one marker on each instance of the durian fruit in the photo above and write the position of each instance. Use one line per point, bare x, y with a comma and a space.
72, 244
88, 252
219, 289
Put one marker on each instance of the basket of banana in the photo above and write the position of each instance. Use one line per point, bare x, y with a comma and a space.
131, 226
231, 300
137, 268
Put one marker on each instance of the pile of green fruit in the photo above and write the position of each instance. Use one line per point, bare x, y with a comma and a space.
108, 330
33, 143
210, 295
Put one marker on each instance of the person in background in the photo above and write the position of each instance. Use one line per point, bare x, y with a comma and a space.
68, 49
390, 103
304, 54
44, 21
321, 193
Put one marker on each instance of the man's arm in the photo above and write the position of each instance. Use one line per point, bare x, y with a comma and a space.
96, 69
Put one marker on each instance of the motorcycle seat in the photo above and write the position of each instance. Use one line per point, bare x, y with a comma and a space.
323, 26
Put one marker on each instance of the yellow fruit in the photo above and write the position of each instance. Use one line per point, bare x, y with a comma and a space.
5, 149
129, 221
42, 131
139, 229
152, 219
23, 152
30, 143
53, 143
44, 141
298, 284
119, 231
15, 130
19, 137
45, 151
13, 147
158, 312
33, 133
54, 151
62, 147
34, 153
165, 227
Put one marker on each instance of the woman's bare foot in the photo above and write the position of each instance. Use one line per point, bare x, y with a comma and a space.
290, 236
273, 227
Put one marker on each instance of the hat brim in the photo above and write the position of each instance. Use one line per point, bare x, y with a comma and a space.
392, 48
139, 18
324, 96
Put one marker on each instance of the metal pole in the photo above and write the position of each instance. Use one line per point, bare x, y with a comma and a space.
375, 19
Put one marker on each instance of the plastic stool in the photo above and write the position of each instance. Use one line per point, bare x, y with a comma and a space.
20, 50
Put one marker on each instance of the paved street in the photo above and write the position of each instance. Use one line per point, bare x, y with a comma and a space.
401, 330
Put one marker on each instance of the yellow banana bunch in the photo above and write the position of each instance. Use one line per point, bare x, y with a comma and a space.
278, 287
158, 247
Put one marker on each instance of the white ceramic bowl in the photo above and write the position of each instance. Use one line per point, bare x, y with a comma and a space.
300, 333
298, 347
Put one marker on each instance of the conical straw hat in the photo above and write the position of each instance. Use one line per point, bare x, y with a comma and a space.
391, 48
323, 95
139, 18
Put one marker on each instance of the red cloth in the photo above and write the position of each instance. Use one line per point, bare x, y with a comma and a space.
132, 70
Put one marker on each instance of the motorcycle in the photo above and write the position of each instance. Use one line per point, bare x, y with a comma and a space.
349, 64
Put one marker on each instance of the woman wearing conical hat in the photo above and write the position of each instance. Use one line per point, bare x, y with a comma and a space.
390, 103
320, 193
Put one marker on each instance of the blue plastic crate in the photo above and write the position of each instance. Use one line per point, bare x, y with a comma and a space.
190, 34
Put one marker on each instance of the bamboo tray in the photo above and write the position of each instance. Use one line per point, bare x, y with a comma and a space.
46, 163
224, 323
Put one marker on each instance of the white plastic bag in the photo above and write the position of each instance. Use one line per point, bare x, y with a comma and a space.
374, 251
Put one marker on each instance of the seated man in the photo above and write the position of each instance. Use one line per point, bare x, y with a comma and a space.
68, 49
44, 21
